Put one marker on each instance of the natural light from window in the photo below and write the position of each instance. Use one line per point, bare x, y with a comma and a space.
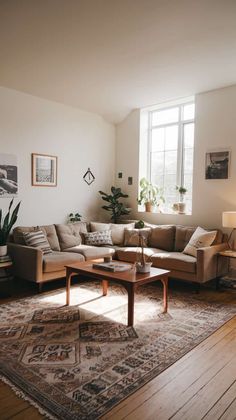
168, 140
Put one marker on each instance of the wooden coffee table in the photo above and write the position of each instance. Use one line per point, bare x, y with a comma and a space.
129, 279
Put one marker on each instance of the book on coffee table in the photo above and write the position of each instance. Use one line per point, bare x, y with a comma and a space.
112, 266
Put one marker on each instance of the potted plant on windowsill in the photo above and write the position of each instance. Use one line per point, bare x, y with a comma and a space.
181, 204
150, 195
6, 225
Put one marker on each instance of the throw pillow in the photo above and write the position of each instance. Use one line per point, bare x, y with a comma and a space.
37, 239
200, 239
162, 237
132, 237
98, 238
118, 232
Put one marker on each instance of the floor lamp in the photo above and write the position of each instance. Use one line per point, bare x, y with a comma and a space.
229, 221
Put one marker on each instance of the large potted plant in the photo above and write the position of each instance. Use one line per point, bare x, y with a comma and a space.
6, 225
115, 206
150, 195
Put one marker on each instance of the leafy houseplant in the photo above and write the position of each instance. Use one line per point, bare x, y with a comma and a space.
6, 225
181, 205
182, 191
115, 207
74, 217
150, 195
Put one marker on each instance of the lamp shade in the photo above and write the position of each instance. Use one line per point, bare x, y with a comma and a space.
229, 219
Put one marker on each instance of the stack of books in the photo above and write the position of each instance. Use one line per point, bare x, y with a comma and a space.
5, 258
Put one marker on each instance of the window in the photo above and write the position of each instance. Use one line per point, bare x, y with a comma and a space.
169, 143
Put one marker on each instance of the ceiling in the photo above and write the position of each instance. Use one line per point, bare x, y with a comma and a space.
111, 56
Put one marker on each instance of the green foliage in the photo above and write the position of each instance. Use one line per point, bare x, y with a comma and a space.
74, 217
150, 193
182, 190
139, 224
115, 207
7, 222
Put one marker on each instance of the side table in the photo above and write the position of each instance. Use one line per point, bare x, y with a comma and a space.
6, 266
226, 254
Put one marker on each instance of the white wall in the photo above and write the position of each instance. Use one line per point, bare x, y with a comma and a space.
215, 129
80, 139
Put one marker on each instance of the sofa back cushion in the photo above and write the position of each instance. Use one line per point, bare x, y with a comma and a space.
48, 230
70, 234
162, 237
184, 233
117, 230
182, 236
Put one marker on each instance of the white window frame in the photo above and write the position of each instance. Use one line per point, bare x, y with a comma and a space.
180, 122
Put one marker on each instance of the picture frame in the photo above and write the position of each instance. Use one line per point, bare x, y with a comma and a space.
8, 175
217, 164
44, 170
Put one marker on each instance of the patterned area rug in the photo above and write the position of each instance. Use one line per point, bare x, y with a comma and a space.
78, 362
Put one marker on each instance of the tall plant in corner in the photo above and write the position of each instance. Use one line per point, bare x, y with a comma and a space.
6, 225
115, 207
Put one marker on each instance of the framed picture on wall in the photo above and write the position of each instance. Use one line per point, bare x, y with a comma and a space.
217, 164
44, 170
8, 175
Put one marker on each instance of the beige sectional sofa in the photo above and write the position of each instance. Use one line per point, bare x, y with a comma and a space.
164, 247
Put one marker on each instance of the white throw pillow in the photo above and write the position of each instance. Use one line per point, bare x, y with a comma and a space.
98, 238
200, 239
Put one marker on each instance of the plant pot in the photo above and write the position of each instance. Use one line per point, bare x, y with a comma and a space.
148, 207
181, 208
143, 268
3, 250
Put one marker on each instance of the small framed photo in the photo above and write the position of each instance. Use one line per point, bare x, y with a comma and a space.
217, 164
44, 170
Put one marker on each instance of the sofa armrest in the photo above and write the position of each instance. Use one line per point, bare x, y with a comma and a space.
208, 262
27, 261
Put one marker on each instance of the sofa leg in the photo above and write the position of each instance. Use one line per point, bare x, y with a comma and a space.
40, 287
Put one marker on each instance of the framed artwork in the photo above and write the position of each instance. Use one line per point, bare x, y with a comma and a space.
8, 175
217, 164
44, 170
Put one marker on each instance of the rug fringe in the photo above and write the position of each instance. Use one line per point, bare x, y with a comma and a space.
25, 397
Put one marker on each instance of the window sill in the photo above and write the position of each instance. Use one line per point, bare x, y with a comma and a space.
170, 213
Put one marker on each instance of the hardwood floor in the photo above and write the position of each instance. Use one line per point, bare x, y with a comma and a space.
201, 385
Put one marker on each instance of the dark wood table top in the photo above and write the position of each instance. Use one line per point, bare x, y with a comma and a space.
130, 276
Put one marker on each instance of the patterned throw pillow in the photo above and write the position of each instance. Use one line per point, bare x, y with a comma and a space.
200, 239
37, 239
98, 238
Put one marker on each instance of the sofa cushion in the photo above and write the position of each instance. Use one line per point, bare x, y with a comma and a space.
131, 254
98, 238
117, 230
200, 239
174, 261
92, 252
37, 239
182, 236
69, 235
57, 261
162, 237
99, 226
48, 230
132, 237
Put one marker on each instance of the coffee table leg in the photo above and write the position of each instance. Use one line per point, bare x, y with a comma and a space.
130, 290
68, 282
104, 287
164, 281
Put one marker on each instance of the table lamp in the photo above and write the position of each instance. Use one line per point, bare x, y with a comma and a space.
229, 221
